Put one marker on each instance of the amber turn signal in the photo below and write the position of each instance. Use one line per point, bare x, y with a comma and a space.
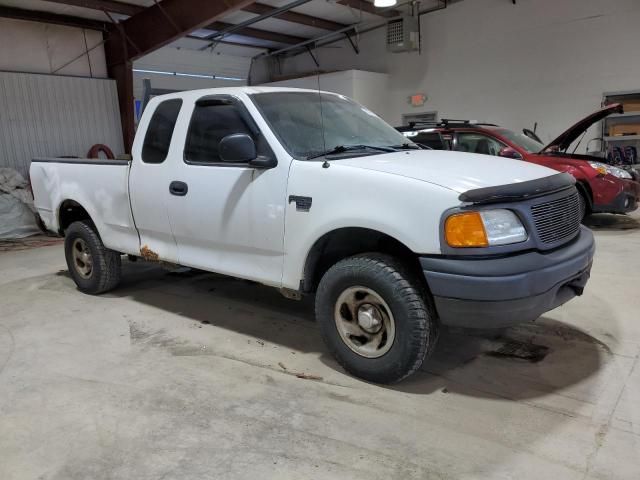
466, 230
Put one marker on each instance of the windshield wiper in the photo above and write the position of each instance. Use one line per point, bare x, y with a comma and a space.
349, 148
406, 146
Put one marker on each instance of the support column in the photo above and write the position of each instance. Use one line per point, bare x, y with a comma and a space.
123, 75
120, 68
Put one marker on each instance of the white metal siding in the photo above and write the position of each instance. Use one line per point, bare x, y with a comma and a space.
51, 116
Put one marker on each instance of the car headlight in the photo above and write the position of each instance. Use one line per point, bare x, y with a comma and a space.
603, 169
484, 228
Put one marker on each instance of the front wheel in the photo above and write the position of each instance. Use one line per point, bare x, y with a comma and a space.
375, 317
93, 267
583, 204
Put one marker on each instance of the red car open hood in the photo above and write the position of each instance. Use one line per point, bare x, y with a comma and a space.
567, 138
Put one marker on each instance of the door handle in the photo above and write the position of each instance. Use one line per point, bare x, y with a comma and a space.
177, 188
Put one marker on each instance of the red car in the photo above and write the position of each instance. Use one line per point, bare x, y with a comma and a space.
603, 187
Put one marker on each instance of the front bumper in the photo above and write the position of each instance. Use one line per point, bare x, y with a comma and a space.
499, 292
626, 201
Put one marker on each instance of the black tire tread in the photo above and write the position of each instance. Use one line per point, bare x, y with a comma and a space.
108, 261
411, 292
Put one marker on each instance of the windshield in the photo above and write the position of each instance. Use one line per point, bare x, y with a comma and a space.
296, 119
521, 140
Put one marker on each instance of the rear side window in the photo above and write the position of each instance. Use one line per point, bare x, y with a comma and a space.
211, 122
430, 139
478, 143
160, 130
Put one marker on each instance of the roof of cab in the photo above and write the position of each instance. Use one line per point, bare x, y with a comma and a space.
195, 94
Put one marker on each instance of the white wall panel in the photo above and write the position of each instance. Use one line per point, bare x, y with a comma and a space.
44, 48
50, 116
543, 61
363, 87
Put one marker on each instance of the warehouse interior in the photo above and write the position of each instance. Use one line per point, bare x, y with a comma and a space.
188, 371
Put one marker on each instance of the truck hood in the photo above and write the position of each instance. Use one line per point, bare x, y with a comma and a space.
456, 171
566, 138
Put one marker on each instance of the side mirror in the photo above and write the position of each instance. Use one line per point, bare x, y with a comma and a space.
509, 152
237, 148
263, 162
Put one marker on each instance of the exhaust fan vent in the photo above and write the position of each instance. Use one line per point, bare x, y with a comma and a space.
403, 34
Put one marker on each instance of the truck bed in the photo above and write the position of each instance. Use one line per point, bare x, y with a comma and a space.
89, 161
99, 185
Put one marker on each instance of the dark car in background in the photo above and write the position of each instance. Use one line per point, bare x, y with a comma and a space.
603, 188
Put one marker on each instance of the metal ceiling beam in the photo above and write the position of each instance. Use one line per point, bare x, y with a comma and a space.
89, 24
295, 17
163, 23
310, 42
102, 5
252, 33
263, 11
257, 43
52, 18
129, 9
332, 37
239, 26
369, 8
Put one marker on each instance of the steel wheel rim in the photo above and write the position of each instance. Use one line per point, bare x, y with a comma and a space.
82, 259
365, 322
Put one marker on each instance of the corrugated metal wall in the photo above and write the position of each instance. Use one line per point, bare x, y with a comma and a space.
50, 116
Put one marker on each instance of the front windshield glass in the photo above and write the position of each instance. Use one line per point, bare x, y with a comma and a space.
299, 118
520, 139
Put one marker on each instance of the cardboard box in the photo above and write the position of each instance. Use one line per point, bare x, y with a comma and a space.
624, 129
631, 106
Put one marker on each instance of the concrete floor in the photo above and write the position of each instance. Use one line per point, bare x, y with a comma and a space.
193, 376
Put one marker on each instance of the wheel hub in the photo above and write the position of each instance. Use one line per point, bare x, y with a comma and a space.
364, 321
82, 259
369, 318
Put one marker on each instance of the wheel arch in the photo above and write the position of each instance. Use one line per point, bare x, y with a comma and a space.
71, 211
584, 188
344, 242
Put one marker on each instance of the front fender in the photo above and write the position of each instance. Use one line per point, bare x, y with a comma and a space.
405, 209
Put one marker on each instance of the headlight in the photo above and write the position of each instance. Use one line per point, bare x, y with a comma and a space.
603, 169
484, 228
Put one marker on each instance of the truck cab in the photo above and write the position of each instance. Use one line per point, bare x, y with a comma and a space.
313, 194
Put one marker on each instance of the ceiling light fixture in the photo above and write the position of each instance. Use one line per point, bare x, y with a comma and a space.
384, 3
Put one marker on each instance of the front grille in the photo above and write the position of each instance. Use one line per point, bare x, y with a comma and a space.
557, 219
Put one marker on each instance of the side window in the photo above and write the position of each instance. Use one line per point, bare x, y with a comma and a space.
478, 143
160, 130
210, 123
430, 139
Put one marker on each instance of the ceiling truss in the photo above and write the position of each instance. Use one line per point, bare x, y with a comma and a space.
262, 11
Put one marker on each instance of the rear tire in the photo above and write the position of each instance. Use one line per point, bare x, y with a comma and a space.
375, 317
93, 267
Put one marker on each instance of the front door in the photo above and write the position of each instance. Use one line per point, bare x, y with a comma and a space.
231, 219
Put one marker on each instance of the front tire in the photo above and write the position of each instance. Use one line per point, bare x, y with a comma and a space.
93, 267
583, 205
375, 317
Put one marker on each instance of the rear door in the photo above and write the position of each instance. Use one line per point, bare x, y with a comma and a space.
149, 181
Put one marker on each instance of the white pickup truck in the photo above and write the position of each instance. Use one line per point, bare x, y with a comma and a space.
310, 192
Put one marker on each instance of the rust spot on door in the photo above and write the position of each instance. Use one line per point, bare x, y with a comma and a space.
148, 254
